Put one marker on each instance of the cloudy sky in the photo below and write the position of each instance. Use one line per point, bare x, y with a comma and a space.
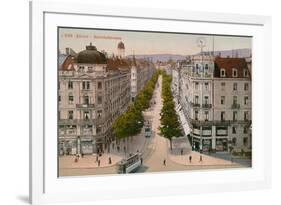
147, 42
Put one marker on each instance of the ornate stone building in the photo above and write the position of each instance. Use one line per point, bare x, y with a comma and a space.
92, 94
215, 96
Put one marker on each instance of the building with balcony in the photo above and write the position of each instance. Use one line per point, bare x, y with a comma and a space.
93, 92
141, 71
215, 96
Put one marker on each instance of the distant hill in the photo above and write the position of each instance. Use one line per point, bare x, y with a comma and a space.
160, 57
241, 53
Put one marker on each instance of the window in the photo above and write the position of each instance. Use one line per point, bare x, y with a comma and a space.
234, 86
246, 115
197, 68
222, 72
245, 130
246, 73
245, 141
99, 113
99, 85
222, 100
246, 86
196, 114
206, 100
70, 115
233, 130
206, 66
234, 100
222, 116
234, 73
234, 141
99, 130
206, 115
207, 86
99, 99
196, 85
196, 99
70, 99
70, 85
223, 86
86, 85
86, 115
234, 115
246, 99
86, 99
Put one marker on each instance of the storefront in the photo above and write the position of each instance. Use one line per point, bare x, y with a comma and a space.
207, 145
87, 146
68, 147
221, 145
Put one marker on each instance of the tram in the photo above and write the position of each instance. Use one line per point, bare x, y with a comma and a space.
130, 164
147, 130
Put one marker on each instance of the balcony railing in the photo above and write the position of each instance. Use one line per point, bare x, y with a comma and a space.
205, 105
77, 121
85, 105
235, 106
195, 104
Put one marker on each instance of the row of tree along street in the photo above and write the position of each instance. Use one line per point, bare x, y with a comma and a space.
131, 122
170, 126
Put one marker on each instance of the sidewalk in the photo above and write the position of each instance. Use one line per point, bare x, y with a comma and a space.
206, 160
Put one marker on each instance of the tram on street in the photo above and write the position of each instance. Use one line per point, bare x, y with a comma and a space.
147, 130
130, 164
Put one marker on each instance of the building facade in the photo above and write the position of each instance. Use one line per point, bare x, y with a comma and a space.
91, 96
219, 117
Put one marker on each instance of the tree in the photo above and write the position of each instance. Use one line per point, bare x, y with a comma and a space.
131, 122
170, 126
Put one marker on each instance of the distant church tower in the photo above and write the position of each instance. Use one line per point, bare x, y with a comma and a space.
121, 49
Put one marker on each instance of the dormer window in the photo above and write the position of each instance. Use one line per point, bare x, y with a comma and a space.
246, 73
234, 73
206, 66
223, 72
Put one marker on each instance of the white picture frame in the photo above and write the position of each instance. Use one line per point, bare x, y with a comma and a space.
46, 187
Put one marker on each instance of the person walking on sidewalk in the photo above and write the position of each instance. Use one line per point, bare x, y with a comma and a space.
164, 162
190, 159
98, 162
201, 158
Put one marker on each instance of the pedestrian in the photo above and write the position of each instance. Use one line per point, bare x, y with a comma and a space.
98, 162
181, 151
164, 162
201, 158
109, 160
82, 155
190, 159
141, 159
76, 160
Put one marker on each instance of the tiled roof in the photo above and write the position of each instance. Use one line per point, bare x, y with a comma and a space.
228, 64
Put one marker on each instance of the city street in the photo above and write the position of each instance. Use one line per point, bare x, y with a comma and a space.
155, 150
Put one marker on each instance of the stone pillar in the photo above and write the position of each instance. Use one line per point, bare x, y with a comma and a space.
201, 140
78, 145
213, 137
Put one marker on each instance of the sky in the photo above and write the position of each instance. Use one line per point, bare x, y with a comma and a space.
138, 43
